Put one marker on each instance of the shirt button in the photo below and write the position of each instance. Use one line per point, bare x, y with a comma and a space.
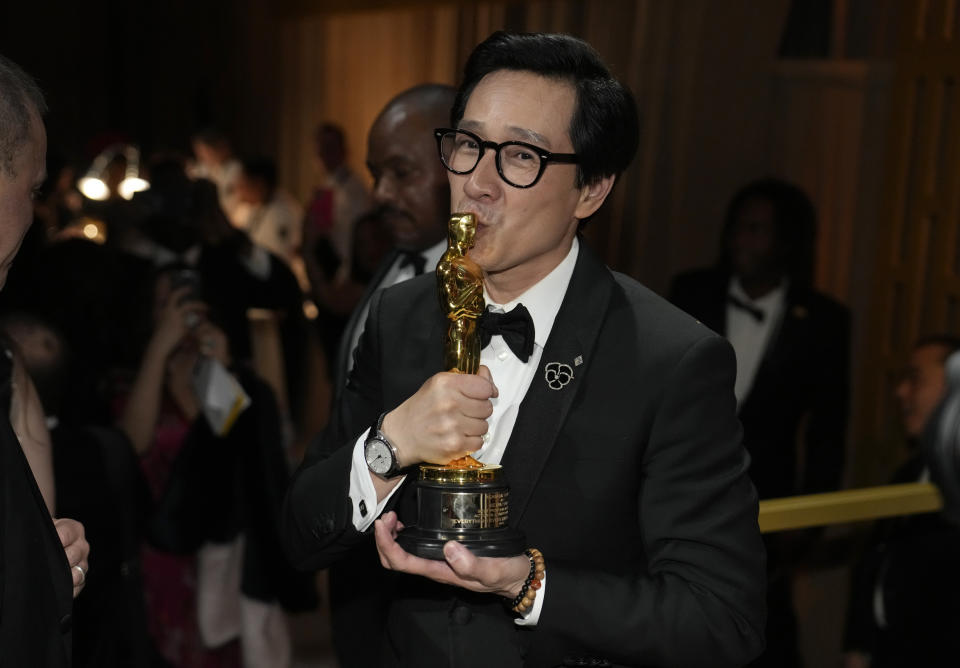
502, 355
486, 437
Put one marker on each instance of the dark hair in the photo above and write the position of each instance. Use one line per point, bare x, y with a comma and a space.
604, 128
261, 169
211, 136
48, 371
949, 343
794, 221
205, 215
19, 96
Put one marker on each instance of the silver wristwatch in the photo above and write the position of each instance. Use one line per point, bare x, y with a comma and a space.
380, 453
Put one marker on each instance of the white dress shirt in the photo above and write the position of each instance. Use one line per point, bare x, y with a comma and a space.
512, 378
750, 337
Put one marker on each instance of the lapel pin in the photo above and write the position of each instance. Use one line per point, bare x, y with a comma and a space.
557, 375
578, 361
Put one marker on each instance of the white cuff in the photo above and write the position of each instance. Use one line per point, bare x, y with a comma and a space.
363, 495
532, 616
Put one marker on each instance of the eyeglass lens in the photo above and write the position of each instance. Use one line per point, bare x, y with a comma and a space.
518, 164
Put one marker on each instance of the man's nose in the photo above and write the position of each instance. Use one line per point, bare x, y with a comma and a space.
484, 180
383, 191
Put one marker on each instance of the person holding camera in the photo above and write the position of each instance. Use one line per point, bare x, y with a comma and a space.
213, 568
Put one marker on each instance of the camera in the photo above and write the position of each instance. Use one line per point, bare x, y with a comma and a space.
186, 278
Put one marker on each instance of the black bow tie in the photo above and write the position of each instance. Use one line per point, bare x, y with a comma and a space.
757, 313
516, 328
416, 260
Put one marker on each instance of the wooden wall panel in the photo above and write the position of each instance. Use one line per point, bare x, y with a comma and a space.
703, 92
917, 275
344, 67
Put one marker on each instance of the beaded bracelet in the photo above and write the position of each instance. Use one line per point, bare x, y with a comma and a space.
528, 592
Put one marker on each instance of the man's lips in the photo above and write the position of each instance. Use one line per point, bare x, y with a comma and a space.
483, 218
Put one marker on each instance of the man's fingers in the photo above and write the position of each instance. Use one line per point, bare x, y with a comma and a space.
389, 520
475, 386
68, 530
478, 409
79, 575
461, 560
383, 536
77, 552
395, 558
484, 372
75, 547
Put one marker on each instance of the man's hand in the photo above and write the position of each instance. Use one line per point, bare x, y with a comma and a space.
445, 420
176, 318
77, 549
461, 568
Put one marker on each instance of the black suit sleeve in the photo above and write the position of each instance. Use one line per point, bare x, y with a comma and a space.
700, 600
318, 513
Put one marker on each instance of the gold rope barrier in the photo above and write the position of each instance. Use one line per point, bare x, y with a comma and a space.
854, 505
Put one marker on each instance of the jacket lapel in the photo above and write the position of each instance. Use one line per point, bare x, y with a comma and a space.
344, 348
567, 354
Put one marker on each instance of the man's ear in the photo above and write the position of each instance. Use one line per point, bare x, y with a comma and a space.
592, 196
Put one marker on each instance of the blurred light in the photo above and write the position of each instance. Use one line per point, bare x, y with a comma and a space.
131, 185
94, 188
310, 310
90, 229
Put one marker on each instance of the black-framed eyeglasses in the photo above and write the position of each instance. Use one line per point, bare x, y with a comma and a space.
519, 164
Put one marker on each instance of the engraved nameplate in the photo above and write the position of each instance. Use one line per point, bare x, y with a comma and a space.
473, 510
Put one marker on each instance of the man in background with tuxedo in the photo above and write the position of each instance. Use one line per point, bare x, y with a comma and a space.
792, 347
412, 195
611, 411
903, 608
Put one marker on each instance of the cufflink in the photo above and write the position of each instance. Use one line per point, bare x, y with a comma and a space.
363, 508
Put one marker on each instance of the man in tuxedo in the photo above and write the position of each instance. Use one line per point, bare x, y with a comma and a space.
411, 192
412, 196
792, 348
904, 609
614, 417
43, 563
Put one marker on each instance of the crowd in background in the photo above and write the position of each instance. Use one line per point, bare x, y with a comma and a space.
114, 323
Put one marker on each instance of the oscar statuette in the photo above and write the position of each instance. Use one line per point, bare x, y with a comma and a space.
466, 500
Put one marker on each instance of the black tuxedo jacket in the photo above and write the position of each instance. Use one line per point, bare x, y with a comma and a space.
802, 382
911, 562
345, 346
36, 589
631, 479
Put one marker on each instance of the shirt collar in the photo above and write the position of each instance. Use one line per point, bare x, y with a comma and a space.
770, 300
433, 254
543, 299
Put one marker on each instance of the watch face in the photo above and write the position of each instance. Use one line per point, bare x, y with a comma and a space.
379, 457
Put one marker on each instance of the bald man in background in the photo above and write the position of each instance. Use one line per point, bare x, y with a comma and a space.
412, 194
